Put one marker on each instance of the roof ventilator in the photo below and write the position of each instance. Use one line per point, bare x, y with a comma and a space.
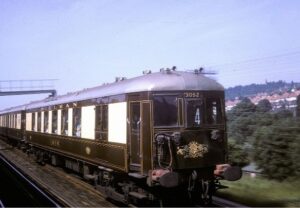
168, 70
199, 71
147, 72
119, 79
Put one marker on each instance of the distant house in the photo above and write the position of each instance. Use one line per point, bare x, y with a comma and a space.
287, 99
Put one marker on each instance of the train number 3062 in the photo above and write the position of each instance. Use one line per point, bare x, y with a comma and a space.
191, 94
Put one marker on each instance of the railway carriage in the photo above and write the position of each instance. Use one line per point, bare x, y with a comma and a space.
132, 138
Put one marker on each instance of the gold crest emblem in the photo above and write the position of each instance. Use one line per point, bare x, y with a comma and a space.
192, 150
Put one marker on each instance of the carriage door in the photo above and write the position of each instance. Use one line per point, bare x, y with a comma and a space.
140, 136
135, 136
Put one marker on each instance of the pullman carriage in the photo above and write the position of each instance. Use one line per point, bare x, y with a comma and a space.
164, 129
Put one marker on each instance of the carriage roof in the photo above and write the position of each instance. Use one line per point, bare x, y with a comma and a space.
166, 80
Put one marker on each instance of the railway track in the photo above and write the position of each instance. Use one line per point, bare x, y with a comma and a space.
67, 189
85, 193
39, 196
220, 202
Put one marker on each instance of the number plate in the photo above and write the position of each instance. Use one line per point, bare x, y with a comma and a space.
191, 94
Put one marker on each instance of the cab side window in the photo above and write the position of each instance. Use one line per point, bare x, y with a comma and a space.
214, 112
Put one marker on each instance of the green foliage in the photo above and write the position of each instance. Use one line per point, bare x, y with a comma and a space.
243, 108
272, 156
276, 149
237, 156
241, 129
270, 139
260, 192
298, 107
295, 155
283, 114
264, 106
241, 123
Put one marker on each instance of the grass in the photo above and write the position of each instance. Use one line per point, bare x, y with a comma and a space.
261, 192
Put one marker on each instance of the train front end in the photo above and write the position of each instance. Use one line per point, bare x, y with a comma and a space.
190, 142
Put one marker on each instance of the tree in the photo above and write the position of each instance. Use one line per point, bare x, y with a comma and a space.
264, 106
241, 129
298, 107
295, 153
237, 154
276, 149
283, 114
242, 121
243, 108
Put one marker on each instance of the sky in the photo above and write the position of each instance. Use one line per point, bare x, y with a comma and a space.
84, 43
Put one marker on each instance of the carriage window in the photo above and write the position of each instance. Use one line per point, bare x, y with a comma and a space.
33, 122
101, 122
194, 112
64, 122
12, 121
15, 121
214, 113
6, 121
54, 122
19, 121
46, 121
105, 117
165, 110
76, 122
39, 122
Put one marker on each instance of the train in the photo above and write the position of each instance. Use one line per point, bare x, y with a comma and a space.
136, 140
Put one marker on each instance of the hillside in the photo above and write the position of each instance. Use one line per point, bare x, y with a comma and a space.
237, 92
280, 94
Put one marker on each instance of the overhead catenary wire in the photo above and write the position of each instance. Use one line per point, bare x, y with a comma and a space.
259, 69
286, 62
255, 59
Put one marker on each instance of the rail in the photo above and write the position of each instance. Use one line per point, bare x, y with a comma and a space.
51, 201
220, 202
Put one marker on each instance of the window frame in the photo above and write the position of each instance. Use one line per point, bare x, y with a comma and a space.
46, 121
101, 131
39, 121
54, 121
202, 112
64, 122
220, 111
178, 96
76, 113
